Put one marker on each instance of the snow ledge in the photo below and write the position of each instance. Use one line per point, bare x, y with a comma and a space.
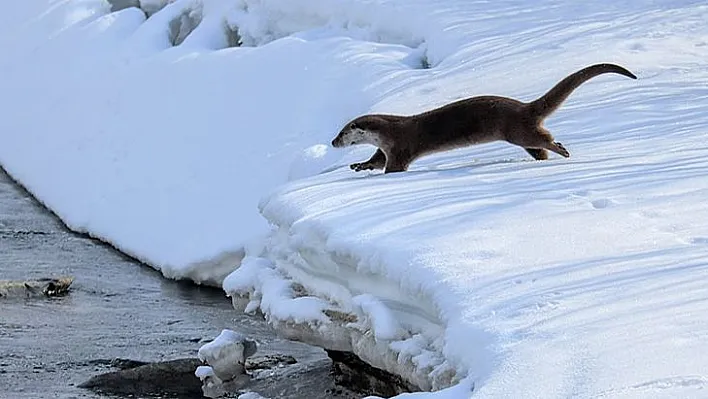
322, 298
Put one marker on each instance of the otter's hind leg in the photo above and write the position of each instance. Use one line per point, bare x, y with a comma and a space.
538, 154
549, 144
377, 161
558, 148
539, 139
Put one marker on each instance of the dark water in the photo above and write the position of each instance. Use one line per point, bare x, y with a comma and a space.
117, 308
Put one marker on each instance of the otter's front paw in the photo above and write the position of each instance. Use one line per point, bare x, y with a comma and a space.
358, 167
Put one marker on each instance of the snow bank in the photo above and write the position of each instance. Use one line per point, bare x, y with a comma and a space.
482, 270
568, 278
154, 136
343, 315
159, 135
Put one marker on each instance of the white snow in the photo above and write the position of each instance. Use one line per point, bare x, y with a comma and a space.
478, 269
226, 355
250, 395
204, 372
164, 151
273, 295
226, 358
383, 323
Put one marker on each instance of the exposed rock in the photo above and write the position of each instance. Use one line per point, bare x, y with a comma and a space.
173, 378
269, 362
119, 363
352, 373
299, 380
226, 357
214, 387
340, 316
272, 375
227, 354
226, 369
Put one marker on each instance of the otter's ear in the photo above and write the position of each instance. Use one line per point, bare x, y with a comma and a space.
353, 126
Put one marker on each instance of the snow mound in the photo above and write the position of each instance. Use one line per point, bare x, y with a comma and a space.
226, 355
159, 135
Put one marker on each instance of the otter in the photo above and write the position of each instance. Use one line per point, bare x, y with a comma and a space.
476, 120
35, 288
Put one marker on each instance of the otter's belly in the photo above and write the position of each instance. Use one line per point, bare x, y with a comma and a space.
461, 141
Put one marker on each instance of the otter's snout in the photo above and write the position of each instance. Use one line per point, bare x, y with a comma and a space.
339, 140
346, 137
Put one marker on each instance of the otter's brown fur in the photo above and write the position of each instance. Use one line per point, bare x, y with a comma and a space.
476, 120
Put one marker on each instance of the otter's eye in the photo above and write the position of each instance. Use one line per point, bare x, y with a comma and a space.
353, 126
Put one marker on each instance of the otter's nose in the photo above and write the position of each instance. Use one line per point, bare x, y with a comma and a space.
334, 142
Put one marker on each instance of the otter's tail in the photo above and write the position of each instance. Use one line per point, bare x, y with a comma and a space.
550, 101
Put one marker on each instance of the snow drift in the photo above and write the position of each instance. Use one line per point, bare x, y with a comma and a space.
161, 140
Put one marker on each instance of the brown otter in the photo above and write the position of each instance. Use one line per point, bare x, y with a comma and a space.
476, 120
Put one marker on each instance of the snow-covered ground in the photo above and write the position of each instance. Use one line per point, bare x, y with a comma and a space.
579, 277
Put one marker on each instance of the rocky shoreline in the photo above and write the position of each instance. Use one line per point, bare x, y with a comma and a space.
228, 367
116, 315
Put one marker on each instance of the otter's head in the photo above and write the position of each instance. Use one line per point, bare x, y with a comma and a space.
362, 130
